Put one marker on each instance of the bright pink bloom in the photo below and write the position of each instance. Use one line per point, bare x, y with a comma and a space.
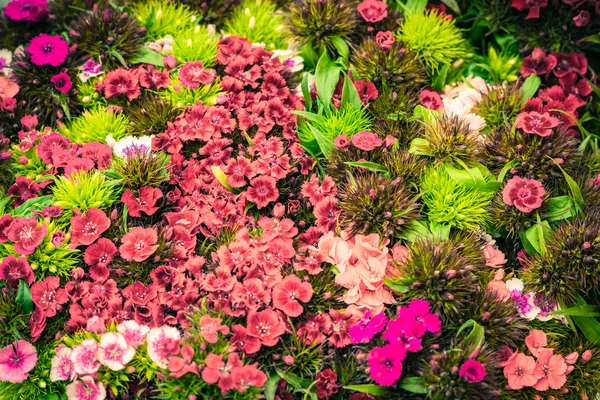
218, 371
341, 142
62, 82
366, 141
288, 293
419, 310
385, 40
85, 357
367, 328
431, 99
114, 352
134, 333
13, 269
121, 82
85, 389
582, 19
262, 191
50, 144
386, 364
163, 342
48, 295
525, 194
536, 341
405, 331
473, 371
146, 201
8, 88
26, 235
100, 253
192, 74
520, 371
27, 10
179, 366
86, 228
48, 50
61, 366
138, 244
209, 327
551, 370
246, 376
244, 342
372, 10
265, 325
536, 123
16, 360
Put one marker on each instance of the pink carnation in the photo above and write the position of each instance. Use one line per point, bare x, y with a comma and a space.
85, 388
525, 194
138, 244
191, 75
114, 352
366, 141
48, 50
16, 360
536, 123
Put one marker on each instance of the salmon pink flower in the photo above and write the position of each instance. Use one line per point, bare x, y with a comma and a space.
163, 342
288, 293
386, 364
265, 325
48, 295
341, 142
61, 365
244, 342
114, 352
473, 371
525, 194
62, 82
536, 341
85, 388
366, 141
12, 269
134, 333
100, 253
8, 88
85, 357
26, 235
536, 123
372, 10
16, 360
493, 257
217, 371
48, 50
86, 228
121, 82
179, 366
210, 326
520, 371
145, 201
138, 244
551, 370
247, 376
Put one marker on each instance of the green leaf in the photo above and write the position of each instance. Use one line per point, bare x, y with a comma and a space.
368, 165
588, 325
592, 38
579, 311
476, 337
505, 170
453, 5
350, 94
416, 229
308, 115
49, 396
574, 188
34, 204
473, 178
396, 286
425, 114
306, 91
222, 178
24, 296
118, 56
440, 80
147, 56
375, 390
294, 380
327, 74
414, 384
271, 387
439, 231
325, 142
341, 46
420, 147
414, 6
536, 236
530, 86
560, 207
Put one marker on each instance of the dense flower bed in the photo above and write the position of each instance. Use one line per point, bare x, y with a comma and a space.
316, 199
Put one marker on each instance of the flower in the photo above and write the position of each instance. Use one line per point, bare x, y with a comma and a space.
493, 257
386, 364
551, 370
366, 141
162, 343
121, 82
246, 376
473, 371
536, 341
13, 269
326, 383
217, 371
288, 293
48, 295
138, 244
431, 99
86, 228
85, 357
210, 326
114, 352
419, 310
85, 388
533, 6
372, 10
130, 145
191, 75
525, 194
8, 88
100, 253
145, 202
341, 141
5, 60
538, 63
133, 332
520, 371
48, 50
536, 123
62, 82
27, 10
262, 191
61, 366
385, 40
179, 366
26, 235
265, 325
16, 360
367, 328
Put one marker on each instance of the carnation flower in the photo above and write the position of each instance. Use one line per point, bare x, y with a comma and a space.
265, 325
385, 364
493, 257
209, 327
179, 366
191, 75
473, 371
567, 63
48, 50
520, 371
85, 388
16, 360
138, 244
533, 6
100, 253
538, 63
288, 293
85, 357
551, 369
23, 189
86, 228
385, 40
26, 235
61, 365
48, 295
368, 327
50, 144
525, 194
145, 201
163, 342
114, 352
419, 310
27, 10
326, 383
244, 342
8, 88
536, 123
536, 341
406, 332
372, 10
121, 82
262, 191
217, 371
13, 269
134, 333
431, 99
62, 82
366, 141
130, 145
247, 376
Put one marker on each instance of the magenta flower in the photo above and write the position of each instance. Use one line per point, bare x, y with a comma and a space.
16, 360
27, 10
525, 194
62, 82
431, 99
535, 123
367, 328
386, 364
419, 310
48, 50
473, 371
405, 332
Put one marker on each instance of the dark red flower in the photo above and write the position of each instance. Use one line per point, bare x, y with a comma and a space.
146, 201
86, 228
62, 82
192, 74
100, 253
367, 91
48, 212
538, 63
525, 194
26, 235
431, 99
534, 7
372, 10
582, 19
23, 189
570, 84
326, 383
140, 294
48, 295
37, 324
5, 222
574, 62
50, 144
536, 123
262, 191
138, 244
152, 78
12, 269
121, 82
385, 40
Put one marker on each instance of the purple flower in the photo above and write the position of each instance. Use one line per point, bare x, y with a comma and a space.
419, 310
405, 332
367, 328
386, 364
473, 371
48, 50
62, 82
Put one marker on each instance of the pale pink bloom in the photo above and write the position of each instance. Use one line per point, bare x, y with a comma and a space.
85, 357
372, 272
493, 257
95, 325
370, 246
335, 250
400, 254
16, 360
133, 332
85, 389
498, 286
62, 366
162, 343
114, 352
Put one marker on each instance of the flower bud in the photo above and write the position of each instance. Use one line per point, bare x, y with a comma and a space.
571, 358
586, 356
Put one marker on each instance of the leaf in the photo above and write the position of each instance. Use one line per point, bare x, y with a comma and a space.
530, 86
306, 91
476, 337
592, 38
574, 187
222, 178
588, 325
440, 80
35, 204
375, 390
308, 115
453, 5
350, 94
271, 387
579, 311
368, 165
425, 114
440, 232
341, 46
327, 74
536, 236
560, 207
505, 170
147, 56
419, 146
473, 178
415, 6
396, 286
24, 296
325, 143
49, 396
294, 380
414, 384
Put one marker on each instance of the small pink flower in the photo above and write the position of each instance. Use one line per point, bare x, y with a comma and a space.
85, 388
85, 357
372, 10
48, 50
62, 82
192, 74
385, 40
341, 142
536, 123
16, 360
26, 235
209, 327
62, 366
520, 371
366, 141
138, 244
163, 342
493, 257
133, 332
525, 194
114, 352
551, 369
431, 99
536, 341
473, 371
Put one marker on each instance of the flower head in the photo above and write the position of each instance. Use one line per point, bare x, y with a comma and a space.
386, 364
114, 352
372, 10
192, 74
473, 371
12, 269
145, 201
48, 50
366, 141
27, 10
121, 82
534, 7
262, 191
536, 341
26, 234
520, 371
163, 342
16, 360
536, 123
8, 88
62, 82
525, 194
100, 253
61, 365
85, 388
48, 295
138, 244
368, 327
385, 40
288, 293
86, 228
551, 369
538, 63
134, 333
84, 357
326, 383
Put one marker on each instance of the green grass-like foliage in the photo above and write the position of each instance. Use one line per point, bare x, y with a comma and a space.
257, 21
33, 169
162, 18
435, 39
88, 95
49, 260
84, 190
196, 43
450, 203
181, 96
142, 169
95, 125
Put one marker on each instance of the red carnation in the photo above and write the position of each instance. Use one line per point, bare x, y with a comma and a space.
372, 10
48, 296
138, 244
288, 293
62, 82
574, 62
385, 40
192, 74
538, 63
26, 235
5, 222
431, 99
536, 123
144, 202
262, 191
121, 81
366, 141
525, 194
326, 383
85, 229
534, 7
100, 253
265, 325
12, 269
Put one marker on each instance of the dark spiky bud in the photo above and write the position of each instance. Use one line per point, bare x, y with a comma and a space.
108, 35
436, 271
392, 111
373, 203
499, 106
150, 114
337, 166
535, 156
396, 68
63, 12
442, 374
212, 12
320, 21
141, 168
402, 164
450, 139
570, 262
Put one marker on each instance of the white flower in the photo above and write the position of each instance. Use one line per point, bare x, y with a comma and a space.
161, 343
114, 352
5, 60
130, 143
133, 332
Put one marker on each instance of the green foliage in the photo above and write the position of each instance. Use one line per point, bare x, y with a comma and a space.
150, 114
499, 107
434, 38
162, 18
196, 43
13, 320
451, 203
94, 125
257, 21
49, 260
88, 94
33, 169
499, 65
142, 169
181, 97
84, 190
